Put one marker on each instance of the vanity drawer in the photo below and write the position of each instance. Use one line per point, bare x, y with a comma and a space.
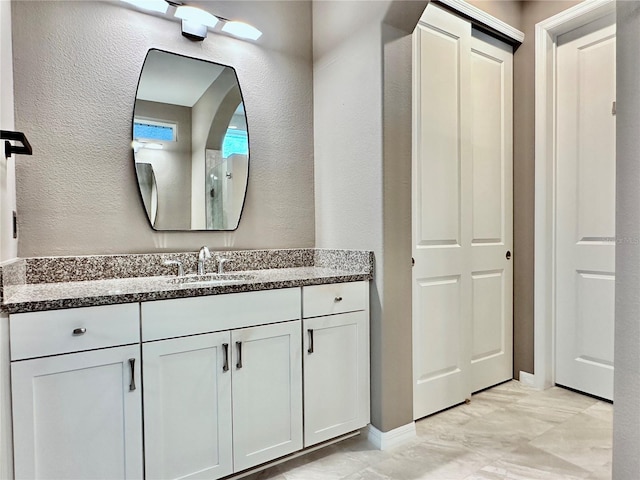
318, 300
190, 316
38, 334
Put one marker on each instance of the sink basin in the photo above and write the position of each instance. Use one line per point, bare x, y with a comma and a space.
212, 279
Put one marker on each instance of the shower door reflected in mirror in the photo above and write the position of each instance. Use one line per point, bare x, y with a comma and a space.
190, 134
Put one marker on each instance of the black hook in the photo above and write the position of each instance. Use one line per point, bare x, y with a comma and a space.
25, 149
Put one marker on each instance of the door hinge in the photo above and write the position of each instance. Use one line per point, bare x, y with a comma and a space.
15, 224
613, 108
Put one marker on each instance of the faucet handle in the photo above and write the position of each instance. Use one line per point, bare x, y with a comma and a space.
221, 261
178, 263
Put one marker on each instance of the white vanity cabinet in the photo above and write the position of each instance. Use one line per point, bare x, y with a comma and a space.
267, 393
187, 407
213, 384
336, 360
77, 414
218, 403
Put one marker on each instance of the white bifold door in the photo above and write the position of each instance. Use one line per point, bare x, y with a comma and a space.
462, 212
585, 207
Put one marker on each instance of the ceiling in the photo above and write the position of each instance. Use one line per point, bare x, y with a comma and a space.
175, 79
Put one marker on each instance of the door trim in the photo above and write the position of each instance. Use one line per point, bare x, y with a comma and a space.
547, 33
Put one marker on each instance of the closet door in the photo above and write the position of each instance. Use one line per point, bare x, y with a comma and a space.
462, 212
491, 194
441, 213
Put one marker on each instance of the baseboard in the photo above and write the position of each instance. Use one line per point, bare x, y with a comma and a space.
392, 438
527, 379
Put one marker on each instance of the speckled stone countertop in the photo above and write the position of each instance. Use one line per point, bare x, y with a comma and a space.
51, 283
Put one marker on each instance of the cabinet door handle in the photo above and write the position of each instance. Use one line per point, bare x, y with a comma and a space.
225, 366
79, 331
239, 347
338, 299
132, 367
310, 332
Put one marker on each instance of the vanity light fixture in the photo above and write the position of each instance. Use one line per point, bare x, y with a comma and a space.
241, 30
195, 21
159, 6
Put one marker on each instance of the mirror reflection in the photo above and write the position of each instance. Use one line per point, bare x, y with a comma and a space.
190, 143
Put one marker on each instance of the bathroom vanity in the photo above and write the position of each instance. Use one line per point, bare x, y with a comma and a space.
187, 379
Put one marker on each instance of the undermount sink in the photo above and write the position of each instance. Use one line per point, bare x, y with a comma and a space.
212, 279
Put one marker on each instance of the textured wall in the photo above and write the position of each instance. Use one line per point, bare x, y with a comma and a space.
362, 128
626, 416
76, 70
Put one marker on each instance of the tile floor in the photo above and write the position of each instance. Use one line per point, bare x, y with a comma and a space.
507, 432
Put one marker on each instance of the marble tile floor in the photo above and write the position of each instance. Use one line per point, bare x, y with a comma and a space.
508, 432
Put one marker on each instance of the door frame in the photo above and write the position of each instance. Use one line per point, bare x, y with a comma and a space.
547, 33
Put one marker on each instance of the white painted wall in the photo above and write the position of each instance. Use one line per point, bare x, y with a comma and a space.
76, 70
626, 417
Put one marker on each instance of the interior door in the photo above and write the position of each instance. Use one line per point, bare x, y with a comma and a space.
441, 213
585, 208
492, 211
462, 212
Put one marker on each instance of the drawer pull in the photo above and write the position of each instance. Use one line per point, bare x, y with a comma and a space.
225, 366
310, 332
132, 367
338, 299
79, 331
239, 347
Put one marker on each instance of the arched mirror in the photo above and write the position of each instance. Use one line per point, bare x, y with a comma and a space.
190, 143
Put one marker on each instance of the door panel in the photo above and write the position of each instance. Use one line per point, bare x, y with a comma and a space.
488, 146
488, 328
440, 214
585, 209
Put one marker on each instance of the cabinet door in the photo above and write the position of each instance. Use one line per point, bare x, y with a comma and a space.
336, 375
78, 416
187, 407
267, 393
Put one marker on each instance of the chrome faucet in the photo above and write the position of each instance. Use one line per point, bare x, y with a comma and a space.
203, 254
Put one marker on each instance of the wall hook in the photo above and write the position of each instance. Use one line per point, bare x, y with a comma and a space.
25, 149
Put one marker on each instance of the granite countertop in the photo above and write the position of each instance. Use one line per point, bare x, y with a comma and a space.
29, 297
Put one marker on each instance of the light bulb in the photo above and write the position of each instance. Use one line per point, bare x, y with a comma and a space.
196, 15
242, 30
